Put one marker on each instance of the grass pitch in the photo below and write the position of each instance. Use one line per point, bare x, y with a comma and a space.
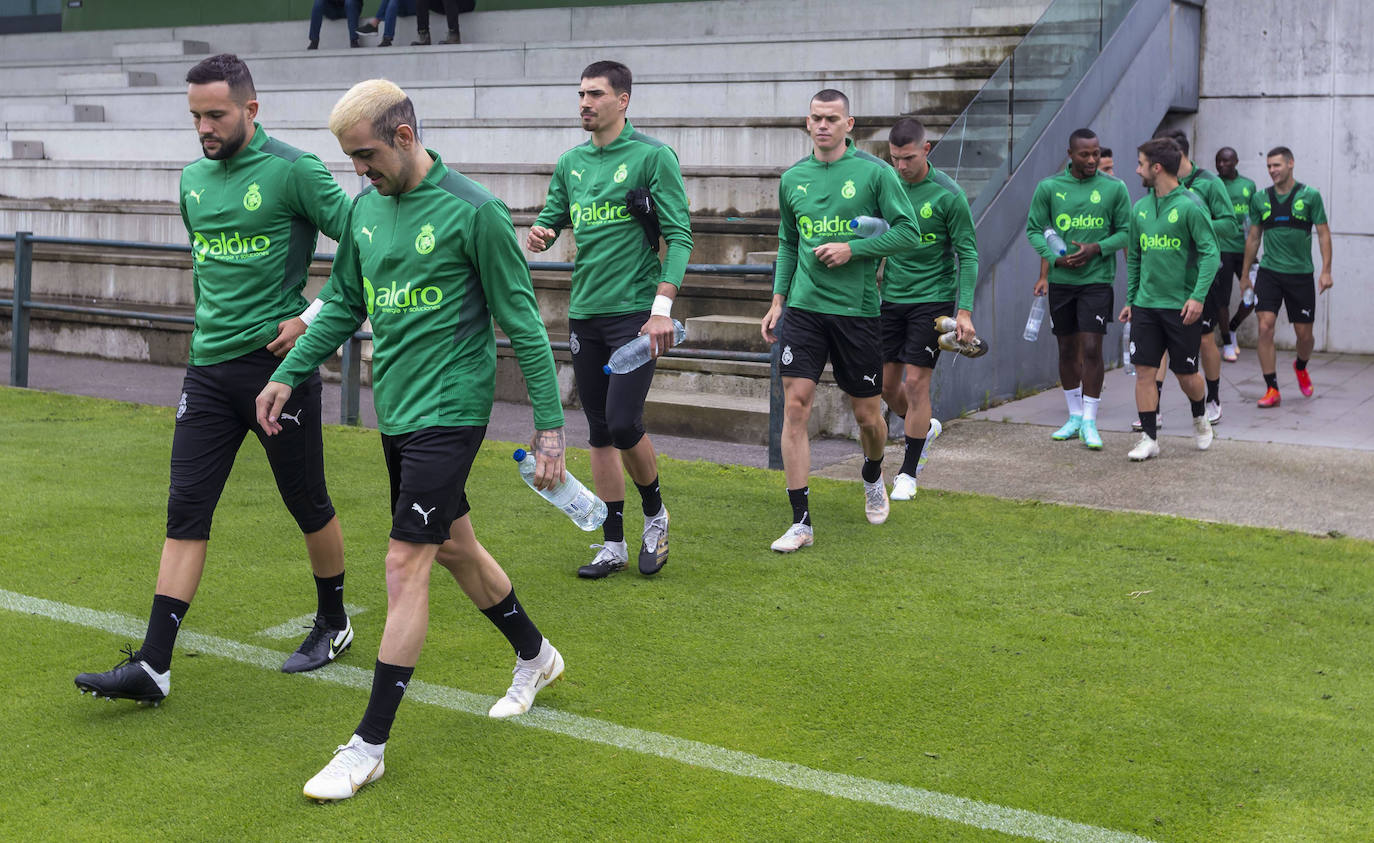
1152, 676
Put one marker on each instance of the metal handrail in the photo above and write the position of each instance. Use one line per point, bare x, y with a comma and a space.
22, 304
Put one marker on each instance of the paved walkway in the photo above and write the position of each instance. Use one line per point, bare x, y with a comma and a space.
1307, 465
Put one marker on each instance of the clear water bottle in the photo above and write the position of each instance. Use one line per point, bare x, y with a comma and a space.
1055, 242
1248, 298
1037, 315
1126, 350
577, 501
636, 352
868, 226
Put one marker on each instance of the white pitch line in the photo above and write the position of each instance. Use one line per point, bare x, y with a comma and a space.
293, 627
984, 815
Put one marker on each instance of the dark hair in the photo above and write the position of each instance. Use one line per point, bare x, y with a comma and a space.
1226, 149
1178, 136
613, 72
1106, 152
398, 115
1281, 150
225, 67
1082, 134
1163, 151
907, 130
832, 95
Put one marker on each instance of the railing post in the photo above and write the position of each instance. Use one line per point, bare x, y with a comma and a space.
19, 315
776, 398
351, 373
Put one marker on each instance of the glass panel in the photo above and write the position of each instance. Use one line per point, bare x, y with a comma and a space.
974, 151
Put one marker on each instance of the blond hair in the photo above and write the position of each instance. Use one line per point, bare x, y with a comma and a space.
377, 101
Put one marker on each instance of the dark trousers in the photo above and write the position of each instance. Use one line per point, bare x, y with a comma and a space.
450, 8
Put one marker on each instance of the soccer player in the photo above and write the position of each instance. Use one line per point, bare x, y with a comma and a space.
620, 290
1171, 258
253, 207
431, 257
1239, 189
1284, 215
1106, 164
826, 277
919, 286
1217, 201
1090, 211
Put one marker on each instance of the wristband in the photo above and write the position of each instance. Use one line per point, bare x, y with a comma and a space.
663, 306
312, 311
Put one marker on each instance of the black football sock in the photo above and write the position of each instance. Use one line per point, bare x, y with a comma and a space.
509, 617
1271, 380
1300, 364
650, 498
164, 621
388, 686
912, 457
872, 470
1214, 391
1198, 407
613, 528
801, 506
329, 595
1147, 423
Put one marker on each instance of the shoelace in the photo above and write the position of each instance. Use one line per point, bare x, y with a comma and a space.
130, 655
346, 758
606, 556
653, 533
874, 493
317, 632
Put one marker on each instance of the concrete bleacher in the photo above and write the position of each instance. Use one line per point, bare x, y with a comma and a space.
724, 82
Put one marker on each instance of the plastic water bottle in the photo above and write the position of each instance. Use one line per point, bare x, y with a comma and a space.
1037, 315
1248, 298
1055, 242
868, 226
1126, 350
636, 352
577, 501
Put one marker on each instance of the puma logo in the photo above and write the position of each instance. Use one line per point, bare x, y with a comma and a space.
1191, 361
296, 418
423, 513
872, 379
929, 350
176, 619
368, 232
1099, 319
515, 610
1305, 312
802, 188
577, 173
196, 194
1063, 196
401, 685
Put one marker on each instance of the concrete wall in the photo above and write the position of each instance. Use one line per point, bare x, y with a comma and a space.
1302, 76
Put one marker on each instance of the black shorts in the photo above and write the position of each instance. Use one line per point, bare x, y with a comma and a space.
1080, 308
909, 334
853, 345
613, 404
429, 469
1155, 330
216, 411
1298, 293
1216, 306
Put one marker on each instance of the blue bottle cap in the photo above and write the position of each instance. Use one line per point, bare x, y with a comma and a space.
519, 455
606, 369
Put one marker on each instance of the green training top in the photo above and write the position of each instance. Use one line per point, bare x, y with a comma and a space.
253, 220
1238, 190
1092, 210
817, 200
616, 271
927, 273
1172, 255
1215, 199
1288, 249
431, 267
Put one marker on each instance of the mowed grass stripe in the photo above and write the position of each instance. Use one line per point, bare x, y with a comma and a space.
957, 809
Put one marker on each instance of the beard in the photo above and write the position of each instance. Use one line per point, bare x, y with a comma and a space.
228, 146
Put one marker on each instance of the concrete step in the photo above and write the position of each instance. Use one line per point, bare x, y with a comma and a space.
96, 80
157, 49
18, 111
727, 418
738, 333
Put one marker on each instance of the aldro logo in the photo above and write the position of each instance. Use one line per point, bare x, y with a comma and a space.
1064, 222
252, 200
810, 229
230, 246
1159, 241
402, 299
424, 241
595, 214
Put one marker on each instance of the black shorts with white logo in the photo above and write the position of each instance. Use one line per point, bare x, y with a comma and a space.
1296, 292
1216, 306
1080, 308
1155, 330
909, 334
429, 469
852, 344
216, 411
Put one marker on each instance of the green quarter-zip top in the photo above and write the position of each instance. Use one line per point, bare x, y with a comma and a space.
927, 273
1173, 255
431, 267
1092, 210
253, 220
817, 200
616, 271
1216, 200
1238, 190
1288, 238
